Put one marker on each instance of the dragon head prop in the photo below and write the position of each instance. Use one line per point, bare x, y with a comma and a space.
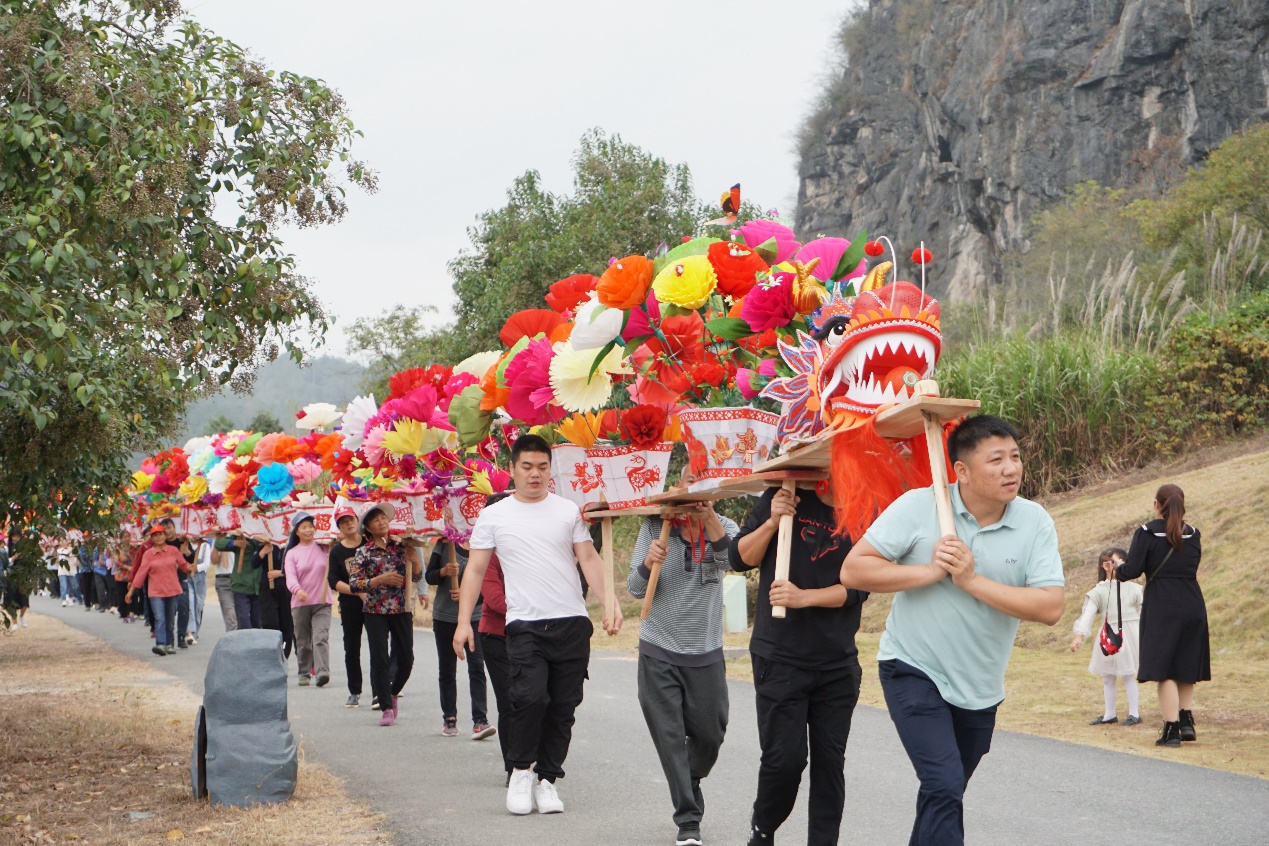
862, 354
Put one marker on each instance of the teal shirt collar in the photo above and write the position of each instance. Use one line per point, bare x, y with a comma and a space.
1007, 521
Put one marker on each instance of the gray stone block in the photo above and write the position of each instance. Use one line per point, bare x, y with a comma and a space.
251, 755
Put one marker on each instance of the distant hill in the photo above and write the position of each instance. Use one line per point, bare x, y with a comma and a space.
281, 389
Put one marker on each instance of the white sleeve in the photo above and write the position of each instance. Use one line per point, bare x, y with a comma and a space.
1089, 614
482, 534
581, 533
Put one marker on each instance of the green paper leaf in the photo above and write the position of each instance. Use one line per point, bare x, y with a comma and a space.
594, 365
731, 328
852, 257
768, 250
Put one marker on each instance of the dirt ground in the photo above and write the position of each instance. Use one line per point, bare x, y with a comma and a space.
90, 738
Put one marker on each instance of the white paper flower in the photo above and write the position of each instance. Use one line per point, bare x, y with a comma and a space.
575, 387
218, 478
196, 445
478, 365
595, 325
358, 413
317, 415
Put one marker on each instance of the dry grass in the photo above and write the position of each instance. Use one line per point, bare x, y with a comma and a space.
88, 735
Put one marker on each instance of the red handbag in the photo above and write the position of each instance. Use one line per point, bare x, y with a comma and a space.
1112, 641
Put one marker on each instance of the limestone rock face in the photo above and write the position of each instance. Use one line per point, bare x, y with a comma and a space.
956, 121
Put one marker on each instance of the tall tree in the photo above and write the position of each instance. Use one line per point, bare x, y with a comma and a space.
624, 200
123, 125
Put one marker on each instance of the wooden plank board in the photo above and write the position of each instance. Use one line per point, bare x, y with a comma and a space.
756, 483
640, 511
672, 498
907, 419
812, 456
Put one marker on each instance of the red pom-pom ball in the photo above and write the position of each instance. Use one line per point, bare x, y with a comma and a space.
686, 238
921, 256
874, 248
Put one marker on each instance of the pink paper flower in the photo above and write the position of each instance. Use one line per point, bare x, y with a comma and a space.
757, 232
769, 305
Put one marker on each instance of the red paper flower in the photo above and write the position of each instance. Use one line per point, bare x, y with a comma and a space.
643, 426
608, 426
874, 248
416, 377
684, 338
568, 294
736, 266
528, 323
921, 256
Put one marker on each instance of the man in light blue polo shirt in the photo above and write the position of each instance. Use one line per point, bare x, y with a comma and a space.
956, 609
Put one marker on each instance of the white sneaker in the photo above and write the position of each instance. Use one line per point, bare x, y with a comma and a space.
22, 622
65, 603
547, 799
520, 792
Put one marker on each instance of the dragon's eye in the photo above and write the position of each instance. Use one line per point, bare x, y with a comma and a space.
835, 334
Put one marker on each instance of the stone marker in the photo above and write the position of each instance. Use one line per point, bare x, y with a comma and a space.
250, 754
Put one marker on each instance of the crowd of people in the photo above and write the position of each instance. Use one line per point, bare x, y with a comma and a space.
511, 605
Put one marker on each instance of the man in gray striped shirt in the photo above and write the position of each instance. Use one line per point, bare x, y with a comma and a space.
682, 677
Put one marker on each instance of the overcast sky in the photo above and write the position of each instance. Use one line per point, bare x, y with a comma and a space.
457, 99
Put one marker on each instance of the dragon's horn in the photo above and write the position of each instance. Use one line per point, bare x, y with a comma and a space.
876, 278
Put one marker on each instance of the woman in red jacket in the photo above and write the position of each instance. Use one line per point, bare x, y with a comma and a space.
159, 566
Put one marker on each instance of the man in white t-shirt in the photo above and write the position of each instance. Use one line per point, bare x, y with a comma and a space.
539, 538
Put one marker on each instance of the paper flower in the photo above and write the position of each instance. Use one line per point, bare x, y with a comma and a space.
263, 451
402, 383
529, 323
196, 445
686, 283
770, 304
736, 266
247, 444
749, 383
568, 294
273, 482
193, 489
531, 393
218, 478
478, 365
468, 419
828, 252
356, 414
576, 387
317, 415
372, 446
411, 437
419, 404
578, 429
141, 481
643, 426
625, 283
304, 471
758, 232
595, 325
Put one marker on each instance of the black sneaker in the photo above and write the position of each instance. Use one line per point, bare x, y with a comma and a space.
353, 701
374, 704
157, 650
688, 836
181, 644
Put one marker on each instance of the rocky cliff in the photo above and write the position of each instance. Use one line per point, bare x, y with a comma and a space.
957, 120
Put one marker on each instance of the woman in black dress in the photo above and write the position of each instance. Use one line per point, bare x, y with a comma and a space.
1174, 646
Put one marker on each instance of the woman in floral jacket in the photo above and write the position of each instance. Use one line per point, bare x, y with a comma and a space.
378, 570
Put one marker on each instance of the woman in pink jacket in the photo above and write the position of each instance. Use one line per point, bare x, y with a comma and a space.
157, 573
310, 599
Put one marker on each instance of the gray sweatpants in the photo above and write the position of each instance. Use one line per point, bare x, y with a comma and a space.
312, 638
225, 596
686, 711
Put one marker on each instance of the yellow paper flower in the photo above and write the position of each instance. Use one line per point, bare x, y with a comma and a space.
575, 387
410, 437
193, 489
686, 283
141, 482
478, 364
579, 429
478, 482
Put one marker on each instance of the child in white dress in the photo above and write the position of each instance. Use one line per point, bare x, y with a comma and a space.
1097, 602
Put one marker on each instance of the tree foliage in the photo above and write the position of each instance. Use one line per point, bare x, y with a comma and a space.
219, 424
625, 200
122, 127
265, 421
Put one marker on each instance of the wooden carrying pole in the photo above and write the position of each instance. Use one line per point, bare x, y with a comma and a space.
656, 569
453, 559
610, 573
784, 544
938, 460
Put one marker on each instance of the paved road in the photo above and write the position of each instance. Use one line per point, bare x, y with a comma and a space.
437, 790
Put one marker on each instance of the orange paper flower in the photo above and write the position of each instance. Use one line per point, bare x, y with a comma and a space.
528, 323
625, 284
